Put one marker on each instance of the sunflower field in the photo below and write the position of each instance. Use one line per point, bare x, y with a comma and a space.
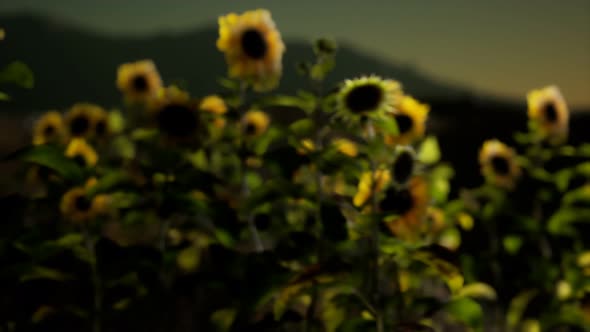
327, 209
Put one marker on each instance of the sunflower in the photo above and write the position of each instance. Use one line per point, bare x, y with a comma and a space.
410, 116
213, 104
80, 119
366, 96
549, 113
81, 152
346, 147
366, 187
403, 165
139, 81
216, 106
255, 123
253, 48
409, 206
100, 123
498, 164
176, 116
49, 129
78, 206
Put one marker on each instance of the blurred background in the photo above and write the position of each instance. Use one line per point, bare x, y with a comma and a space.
473, 62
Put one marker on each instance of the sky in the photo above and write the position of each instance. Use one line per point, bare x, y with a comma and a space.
500, 47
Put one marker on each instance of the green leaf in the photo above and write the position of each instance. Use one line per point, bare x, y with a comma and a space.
429, 151
478, 290
512, 243
517, 308
306, 105
17, 73
222, 319
123, 147
69, 240
467, 311
303, 127
40, 272
49, 156
322, 68
387, 124
4, 96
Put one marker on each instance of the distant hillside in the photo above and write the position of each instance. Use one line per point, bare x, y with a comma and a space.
72, 64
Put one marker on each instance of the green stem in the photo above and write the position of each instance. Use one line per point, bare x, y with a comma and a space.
244, 190
96, 284
375, 287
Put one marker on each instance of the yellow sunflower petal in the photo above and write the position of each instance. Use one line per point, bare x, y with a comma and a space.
81, 152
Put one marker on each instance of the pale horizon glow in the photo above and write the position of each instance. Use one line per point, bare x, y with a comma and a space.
500, 47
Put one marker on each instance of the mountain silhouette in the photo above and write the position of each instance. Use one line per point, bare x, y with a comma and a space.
72, 64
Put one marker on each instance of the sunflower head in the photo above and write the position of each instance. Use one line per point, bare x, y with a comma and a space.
213, 104
49, 129
81, 152
410, 116
366, 186
139, 81
403, 165
498, 164
100, 123
78, 207
549, 114
346, 147
253, 48
176, 116
369, 95
82, 120
409, 208
254, 123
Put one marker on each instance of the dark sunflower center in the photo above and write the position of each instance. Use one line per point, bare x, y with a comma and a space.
139, 83
82, 203
79, 159
250, 129
402, 169
404, 123
253, 44
100, 127
364, 98
550, 113
500, 165
397, 201
79, 125
49, 130
177, 120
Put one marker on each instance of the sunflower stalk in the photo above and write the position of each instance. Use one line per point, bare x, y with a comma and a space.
316, 117
96, 283
375, 287
244, 189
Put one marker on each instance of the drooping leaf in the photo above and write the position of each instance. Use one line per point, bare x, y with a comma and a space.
51, 157
478, 290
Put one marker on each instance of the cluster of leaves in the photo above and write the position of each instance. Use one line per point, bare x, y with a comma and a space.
530, 224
